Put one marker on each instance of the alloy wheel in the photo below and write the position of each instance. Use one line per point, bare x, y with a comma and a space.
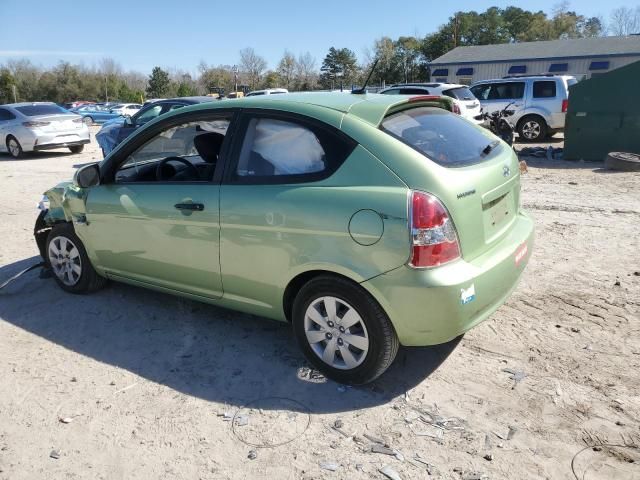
531, 130
14, 147
65, 260
336, 333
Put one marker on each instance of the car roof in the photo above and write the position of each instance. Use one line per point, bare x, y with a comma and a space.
370, 107
25, 104
516, 78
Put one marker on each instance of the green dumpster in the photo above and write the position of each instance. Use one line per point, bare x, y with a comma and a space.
604, 115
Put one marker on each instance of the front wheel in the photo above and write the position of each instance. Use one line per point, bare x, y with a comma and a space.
76, 149
88, 121
343, 331
14, 147
69, 262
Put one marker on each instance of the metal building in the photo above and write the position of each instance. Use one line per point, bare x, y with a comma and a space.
582, 58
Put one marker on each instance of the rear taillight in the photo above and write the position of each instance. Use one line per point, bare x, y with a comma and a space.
456, 109
35, 124
565, 105
433, 237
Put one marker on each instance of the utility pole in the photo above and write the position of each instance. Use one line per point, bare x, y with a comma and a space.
234, 69
15, 97
106, 94
455, 30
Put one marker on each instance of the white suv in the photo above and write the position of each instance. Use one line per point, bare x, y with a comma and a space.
464, 102
539, 101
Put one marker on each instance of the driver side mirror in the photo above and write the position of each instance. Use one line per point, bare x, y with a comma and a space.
87, 176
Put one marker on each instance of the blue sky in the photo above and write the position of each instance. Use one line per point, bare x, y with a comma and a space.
179, 34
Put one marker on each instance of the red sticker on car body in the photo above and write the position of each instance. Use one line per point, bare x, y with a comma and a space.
521, 253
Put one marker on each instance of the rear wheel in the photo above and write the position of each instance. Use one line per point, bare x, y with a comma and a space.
14, 148
76, 148
343, 331
69, 262
532, 128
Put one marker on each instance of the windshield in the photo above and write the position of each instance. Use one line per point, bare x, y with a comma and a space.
442, 136
460, 93
42, 109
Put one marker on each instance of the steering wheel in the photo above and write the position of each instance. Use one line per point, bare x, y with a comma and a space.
161, 164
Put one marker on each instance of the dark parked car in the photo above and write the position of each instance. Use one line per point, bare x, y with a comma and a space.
115, 131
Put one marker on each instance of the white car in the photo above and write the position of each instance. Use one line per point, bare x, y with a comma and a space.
126, 109
464, 102
27, 127
268, 91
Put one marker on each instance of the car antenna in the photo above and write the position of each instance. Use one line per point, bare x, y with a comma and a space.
362, 90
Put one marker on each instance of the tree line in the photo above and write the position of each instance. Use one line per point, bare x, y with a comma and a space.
405, 59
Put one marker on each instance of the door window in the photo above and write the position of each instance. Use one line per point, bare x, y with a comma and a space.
280, 151
544, 89
149, 114
187, 152
506, 91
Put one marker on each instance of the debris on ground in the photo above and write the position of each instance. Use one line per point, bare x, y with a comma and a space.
377, 448
475, 476
516, 375
54, 454
252, 455
338, 424
488, 457
541, 152
66, 420
390, 473
242, 420
329, 466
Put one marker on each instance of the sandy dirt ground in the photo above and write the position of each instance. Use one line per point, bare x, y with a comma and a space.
132, 384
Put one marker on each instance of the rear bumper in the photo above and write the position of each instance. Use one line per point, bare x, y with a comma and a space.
50, 146
433, 306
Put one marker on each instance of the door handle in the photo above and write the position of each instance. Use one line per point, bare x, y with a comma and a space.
198, 207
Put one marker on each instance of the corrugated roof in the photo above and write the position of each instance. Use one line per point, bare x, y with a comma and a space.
579, 47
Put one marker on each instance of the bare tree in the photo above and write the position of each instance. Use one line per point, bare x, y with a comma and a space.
306, 73
624, 21
253, 65
287, 68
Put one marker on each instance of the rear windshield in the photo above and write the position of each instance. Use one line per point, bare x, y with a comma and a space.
34, 110
460, 93
442, 136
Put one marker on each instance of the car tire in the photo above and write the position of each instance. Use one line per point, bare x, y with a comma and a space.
358, 341
68, 260
76, 149
623, 161
532, 128
13, 147
88, 121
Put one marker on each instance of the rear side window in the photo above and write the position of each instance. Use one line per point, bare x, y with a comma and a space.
442, 136
282, 151
460, 93
34, 110
6, 114
544, 89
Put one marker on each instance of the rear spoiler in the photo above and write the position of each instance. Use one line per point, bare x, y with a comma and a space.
443, 102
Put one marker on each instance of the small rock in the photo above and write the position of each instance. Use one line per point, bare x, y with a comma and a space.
558, 325
338, 423
512, 432
617, 283
575, 329
488, 457
334, 444
252, 455
112, 383
66, 420
74, 379
54, 454
329, 466
376, 448
619, 423
457, 469
390, 473
342, 388
360, 467
637, 274
573, 183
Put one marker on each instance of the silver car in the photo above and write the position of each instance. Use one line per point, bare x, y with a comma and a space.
27, 127
540, 102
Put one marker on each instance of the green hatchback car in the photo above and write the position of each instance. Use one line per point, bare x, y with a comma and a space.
366, 221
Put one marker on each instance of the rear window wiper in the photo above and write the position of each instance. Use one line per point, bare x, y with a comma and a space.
487, 150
